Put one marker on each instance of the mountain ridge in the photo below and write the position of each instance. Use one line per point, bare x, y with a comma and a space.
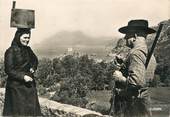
80, 42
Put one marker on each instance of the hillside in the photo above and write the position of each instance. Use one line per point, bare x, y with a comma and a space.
162, 53
60, 42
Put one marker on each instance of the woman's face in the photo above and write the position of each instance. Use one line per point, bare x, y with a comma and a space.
24, 39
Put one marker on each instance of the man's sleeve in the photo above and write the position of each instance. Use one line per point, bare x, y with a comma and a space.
136, 71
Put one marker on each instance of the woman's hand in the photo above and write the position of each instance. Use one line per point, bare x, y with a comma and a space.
28, 78
32, 70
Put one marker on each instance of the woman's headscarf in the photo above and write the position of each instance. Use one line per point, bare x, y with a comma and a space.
18, 34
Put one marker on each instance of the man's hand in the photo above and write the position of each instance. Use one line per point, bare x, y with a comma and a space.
118, 62
117, 75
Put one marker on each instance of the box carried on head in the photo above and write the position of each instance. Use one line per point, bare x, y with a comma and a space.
22, 18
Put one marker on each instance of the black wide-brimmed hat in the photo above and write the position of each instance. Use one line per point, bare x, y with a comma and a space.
136, 26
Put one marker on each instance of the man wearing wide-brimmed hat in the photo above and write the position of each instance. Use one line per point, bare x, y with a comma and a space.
132, 98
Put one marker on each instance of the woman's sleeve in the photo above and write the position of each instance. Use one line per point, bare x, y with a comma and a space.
34, 60
10, 67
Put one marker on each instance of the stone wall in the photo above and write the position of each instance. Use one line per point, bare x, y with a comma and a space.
55, 109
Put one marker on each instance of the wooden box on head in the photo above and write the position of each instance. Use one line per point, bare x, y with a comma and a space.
22, 18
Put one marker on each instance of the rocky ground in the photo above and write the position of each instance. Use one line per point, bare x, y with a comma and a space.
55, 109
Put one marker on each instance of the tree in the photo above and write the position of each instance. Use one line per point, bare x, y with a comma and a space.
155, 82
44, 72
3, 75
70, 64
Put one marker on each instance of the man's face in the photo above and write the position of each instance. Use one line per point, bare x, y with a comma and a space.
130, 39
24, 39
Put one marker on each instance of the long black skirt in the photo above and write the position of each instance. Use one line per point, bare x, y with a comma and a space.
21, 100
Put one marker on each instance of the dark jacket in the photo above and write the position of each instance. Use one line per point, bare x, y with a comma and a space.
20, 97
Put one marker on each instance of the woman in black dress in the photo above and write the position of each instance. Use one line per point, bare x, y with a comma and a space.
20, 64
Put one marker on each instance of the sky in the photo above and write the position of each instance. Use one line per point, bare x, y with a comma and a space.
93, 17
